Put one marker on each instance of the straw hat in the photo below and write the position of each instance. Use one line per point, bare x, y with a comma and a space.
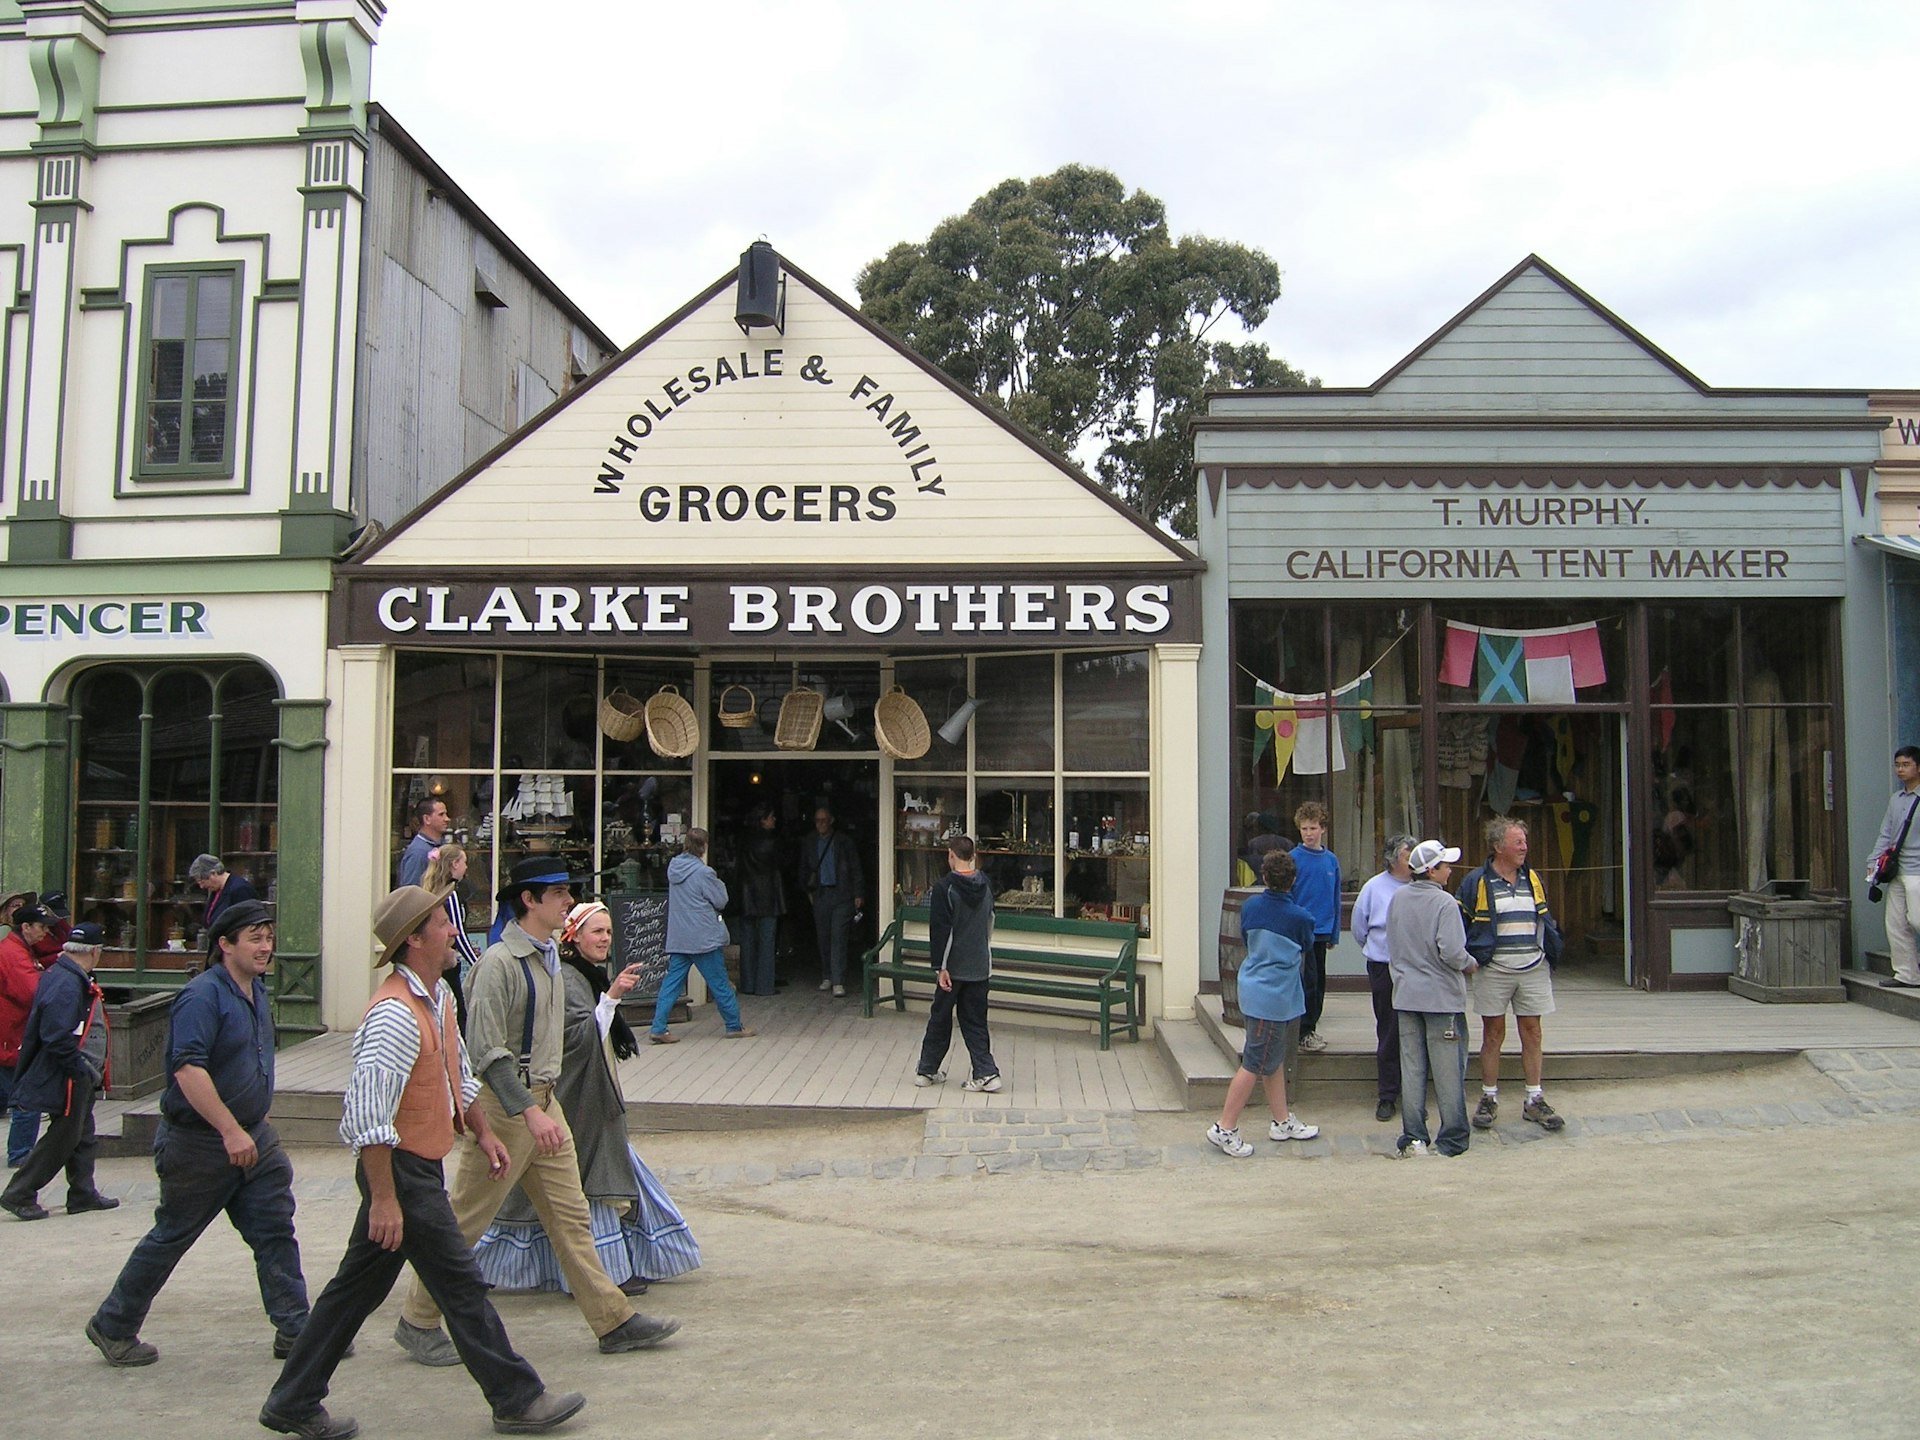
399, 915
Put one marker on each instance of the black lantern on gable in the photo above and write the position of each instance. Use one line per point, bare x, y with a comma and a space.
761, 298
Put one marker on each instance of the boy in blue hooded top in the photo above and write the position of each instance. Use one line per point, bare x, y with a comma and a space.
1279, 935
1316, 889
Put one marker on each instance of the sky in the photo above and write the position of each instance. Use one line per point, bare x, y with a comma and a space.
1735, 181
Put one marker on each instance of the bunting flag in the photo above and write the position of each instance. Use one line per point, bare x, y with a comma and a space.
1523, 667
1312, 734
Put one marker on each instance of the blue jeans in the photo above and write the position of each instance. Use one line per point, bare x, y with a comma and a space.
757, 934
713, 969
24, 1129
196, 1185
1426, 1053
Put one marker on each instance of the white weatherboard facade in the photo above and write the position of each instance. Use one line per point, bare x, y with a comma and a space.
811, 497
1535, 464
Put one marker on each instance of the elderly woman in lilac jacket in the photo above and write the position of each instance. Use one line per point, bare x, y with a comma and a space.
696, 939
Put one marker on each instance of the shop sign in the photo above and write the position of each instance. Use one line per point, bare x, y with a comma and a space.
977, 612
117, 618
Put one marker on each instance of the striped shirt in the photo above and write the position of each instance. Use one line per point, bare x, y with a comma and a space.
1516, 931
385, 1048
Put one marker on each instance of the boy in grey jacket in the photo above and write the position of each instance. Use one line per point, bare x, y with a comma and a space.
1427, 957
960, 941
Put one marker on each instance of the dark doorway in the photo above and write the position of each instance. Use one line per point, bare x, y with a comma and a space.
794, 788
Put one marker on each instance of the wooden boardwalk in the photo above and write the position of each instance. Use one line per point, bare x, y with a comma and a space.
816, 1058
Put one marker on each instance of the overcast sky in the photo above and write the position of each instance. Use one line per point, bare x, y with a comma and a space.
1736, 181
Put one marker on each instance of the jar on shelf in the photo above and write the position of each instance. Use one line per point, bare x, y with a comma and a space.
103, 833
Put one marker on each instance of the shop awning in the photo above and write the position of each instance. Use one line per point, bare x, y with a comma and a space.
1907, 547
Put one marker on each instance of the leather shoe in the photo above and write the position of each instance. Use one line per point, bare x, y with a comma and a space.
742, 1033
1386, 1109
1894, 982
633, 1285
547, 1412
317, 1426
79, 1204
663, 1038
429, 1347
25, 1210
121, 1352
638, 1332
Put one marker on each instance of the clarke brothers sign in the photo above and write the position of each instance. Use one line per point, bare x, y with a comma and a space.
908, 611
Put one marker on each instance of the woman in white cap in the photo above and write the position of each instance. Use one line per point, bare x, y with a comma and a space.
637, 1232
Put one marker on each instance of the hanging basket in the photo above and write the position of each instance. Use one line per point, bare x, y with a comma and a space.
739, 708
673, 730
900, 726
799, 724
622, 717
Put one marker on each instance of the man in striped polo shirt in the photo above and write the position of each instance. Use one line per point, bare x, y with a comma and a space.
1507, 929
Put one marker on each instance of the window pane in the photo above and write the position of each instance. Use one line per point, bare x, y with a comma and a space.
1696, 826
1786, 800
1283, 645
469, 802
937, 686
167, 373
214, 306
548, 714
643, 821
169, 318
1109, 852
639, 681
1017, 843
210, 369
442, 712
1784, 652
1014, 727
163, 434
209, 433
1104, 711
1691, 652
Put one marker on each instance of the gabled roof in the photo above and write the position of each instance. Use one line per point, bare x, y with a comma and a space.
923, 469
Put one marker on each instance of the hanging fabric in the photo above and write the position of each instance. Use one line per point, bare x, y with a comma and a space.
1312, 733
1523, 667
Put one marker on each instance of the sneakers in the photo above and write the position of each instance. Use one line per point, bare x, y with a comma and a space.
547, 1412
1540, 1113
987, 1083
1291, 1129
121, 1352
428, 1347
1484, 1112
637, 1332
1228, 1141
839, 992
1313, 1042
1413, 1150
926, 1078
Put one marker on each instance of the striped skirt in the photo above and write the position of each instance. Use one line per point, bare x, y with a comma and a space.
651, 1241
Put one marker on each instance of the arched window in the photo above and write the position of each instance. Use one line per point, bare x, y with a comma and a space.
173, 761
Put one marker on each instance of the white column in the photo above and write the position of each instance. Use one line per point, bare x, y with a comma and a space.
1176, 825
359, 764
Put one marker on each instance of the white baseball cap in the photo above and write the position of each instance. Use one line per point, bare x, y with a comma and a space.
1429, 853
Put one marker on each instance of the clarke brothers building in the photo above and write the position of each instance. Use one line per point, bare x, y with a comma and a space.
249, 314
1539, 569
694, 591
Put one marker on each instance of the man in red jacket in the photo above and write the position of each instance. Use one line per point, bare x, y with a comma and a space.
19, 978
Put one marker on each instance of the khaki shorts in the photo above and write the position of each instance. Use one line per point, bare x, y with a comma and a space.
1527, 992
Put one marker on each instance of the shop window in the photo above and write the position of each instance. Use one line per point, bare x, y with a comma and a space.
939, 687
638, 681
189, 336
443, 712
1013, 729
1695, 839
1102, 698
212, 785
1784, 654
548, 714
1690, 650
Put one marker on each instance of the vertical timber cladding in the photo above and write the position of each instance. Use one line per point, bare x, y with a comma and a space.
1548, 530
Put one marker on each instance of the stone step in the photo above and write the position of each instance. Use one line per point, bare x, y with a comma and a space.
1864, 987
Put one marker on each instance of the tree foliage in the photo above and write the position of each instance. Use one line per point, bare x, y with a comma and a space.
1068, 303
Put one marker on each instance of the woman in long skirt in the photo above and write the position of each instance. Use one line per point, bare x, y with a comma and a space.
638, 1233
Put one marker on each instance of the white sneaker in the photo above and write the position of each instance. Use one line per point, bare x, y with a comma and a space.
924, 1079
839, 992
1314, 1043
1229, 1141
1414, 1149
1292, 1129
989, 1083
824, 986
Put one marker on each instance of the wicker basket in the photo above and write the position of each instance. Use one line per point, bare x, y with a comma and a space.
900, 726
622, 717
739, 707
799, 724
672, 728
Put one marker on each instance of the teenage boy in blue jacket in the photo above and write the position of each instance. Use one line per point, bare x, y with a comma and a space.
1316, 890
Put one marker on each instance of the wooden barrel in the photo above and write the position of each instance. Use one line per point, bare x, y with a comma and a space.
1233, 949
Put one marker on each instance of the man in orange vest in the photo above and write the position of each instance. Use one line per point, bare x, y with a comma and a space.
402, 1117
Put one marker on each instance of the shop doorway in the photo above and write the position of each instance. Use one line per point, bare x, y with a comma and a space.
1563, 773
794, 786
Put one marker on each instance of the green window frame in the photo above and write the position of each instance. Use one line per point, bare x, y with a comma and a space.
189, 347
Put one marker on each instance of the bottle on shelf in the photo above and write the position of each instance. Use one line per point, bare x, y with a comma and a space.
1073, 835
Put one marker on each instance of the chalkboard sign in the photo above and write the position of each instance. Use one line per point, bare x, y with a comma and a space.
639, 938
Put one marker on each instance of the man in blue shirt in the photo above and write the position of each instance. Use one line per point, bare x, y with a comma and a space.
430, 816
215, 1150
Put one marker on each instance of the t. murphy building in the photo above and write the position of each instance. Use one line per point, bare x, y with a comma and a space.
697, 589
1540, 569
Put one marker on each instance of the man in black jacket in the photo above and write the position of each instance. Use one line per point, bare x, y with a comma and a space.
830, 873
960, 942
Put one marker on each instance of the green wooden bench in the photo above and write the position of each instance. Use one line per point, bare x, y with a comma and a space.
1033, 955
